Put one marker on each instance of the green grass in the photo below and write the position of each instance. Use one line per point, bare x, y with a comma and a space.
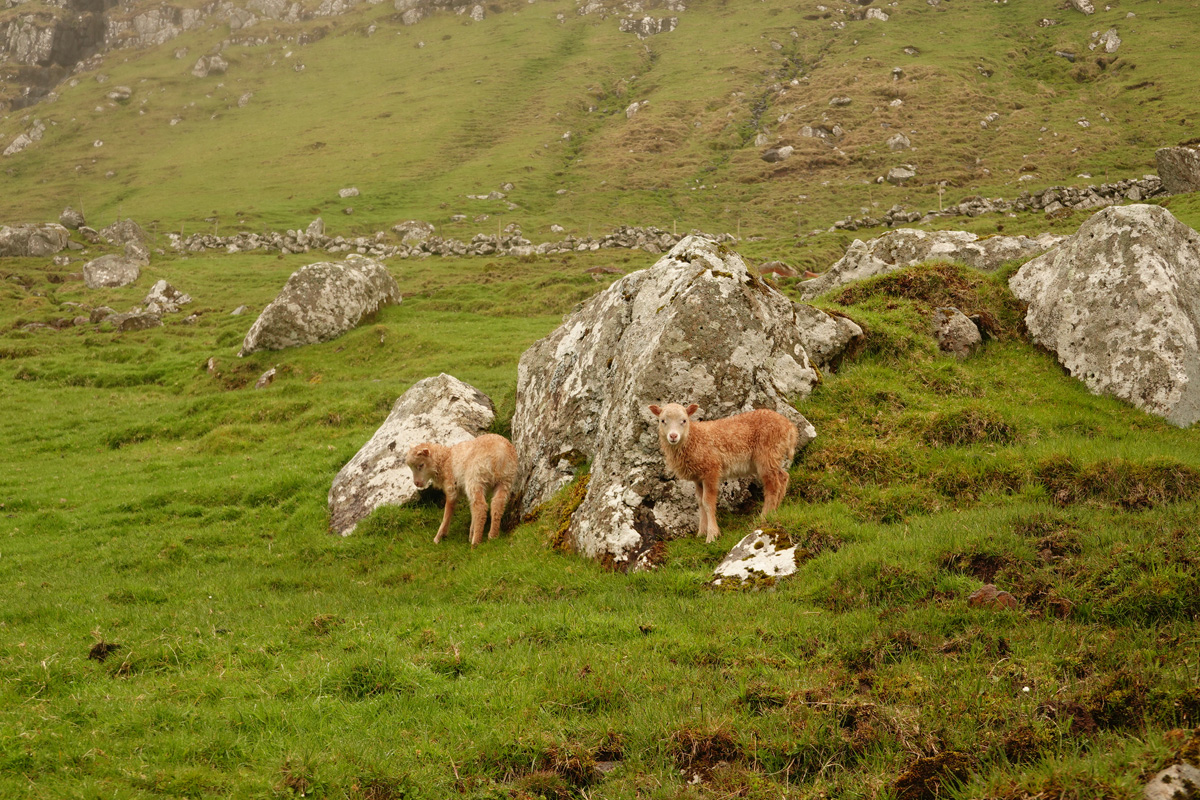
178, 622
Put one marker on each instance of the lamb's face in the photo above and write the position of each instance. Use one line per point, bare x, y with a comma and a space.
419, 461
673, 422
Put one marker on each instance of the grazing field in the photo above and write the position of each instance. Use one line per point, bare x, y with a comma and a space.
175, 620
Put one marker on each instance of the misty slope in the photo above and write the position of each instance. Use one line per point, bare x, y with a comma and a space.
419, 116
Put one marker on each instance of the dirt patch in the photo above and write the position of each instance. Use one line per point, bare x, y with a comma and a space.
983, 566
698, 752
927, 777
101, 650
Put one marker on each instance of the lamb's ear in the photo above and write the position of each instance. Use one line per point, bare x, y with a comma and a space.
423, 452
692, 409
656, 410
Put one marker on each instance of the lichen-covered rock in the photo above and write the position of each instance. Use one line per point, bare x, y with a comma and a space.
904, 247
758, 555
1119, 304
443, 410
209, 65
695, 327
111, 271
125, 231
414, 231
321, 302
1176, 782
134, 321
32, 241
72, 219
955, 332
1179, 168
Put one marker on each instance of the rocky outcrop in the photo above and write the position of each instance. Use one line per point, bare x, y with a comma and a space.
695, 327
32, 241
650, 239
1119, 305
443, 410
210, 65
321, 302
645, 27
71, 219
1179, 168
1050, 200
904, 247
112, 271
23, 140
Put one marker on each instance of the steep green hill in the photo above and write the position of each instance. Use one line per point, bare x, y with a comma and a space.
419, 116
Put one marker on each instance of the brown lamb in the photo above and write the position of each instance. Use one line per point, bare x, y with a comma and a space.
484, 464
755, 444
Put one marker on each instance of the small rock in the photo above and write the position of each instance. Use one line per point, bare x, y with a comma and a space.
237, 312
265, 379
840, 101
351, 191
898, 176
991, 597
955, 332
70, 218
776, 154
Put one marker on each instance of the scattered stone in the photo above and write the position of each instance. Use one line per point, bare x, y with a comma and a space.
1109, 40
877, 13
776, 154
351, 191
210, 65
646, 27
120, 94
442, 409
321, 302
840, 101
134, 321
414, 231
111, 271
244, 100
1179, 168
266, 379
991, 597
72, 219
897, 142
956, 333
1119, 304
696, 326
23, 140
757, 556
32, 241
100, 313
164, 298
1084, 6
316, 227
237, 312
901, 175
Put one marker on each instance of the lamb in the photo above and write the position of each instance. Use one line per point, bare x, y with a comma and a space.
487, 463
754, 444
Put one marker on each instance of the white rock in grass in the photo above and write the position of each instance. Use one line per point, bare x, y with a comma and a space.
758, 555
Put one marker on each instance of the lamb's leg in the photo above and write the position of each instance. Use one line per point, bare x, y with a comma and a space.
774, 483
499, 501
479, 510
451, 499
701, 513
711, 484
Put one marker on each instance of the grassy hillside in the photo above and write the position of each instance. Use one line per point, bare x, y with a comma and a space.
177, 621
417, 117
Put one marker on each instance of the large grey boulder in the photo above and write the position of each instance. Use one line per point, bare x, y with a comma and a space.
321, 302
695, 327
443, 410
1119, 304
32, 241
70, 218
904, 247
112, 271
1179, 168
